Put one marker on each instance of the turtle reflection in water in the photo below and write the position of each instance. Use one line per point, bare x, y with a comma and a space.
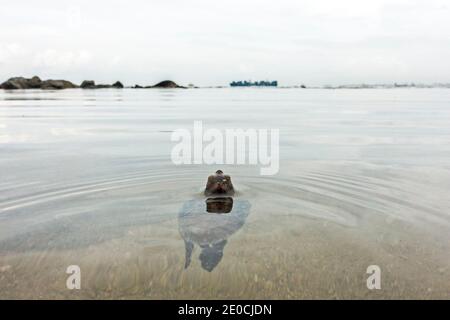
209, 223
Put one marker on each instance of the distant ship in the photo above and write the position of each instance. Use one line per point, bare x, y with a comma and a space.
254, 84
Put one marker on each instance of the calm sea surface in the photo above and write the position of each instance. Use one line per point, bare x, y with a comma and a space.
86, 179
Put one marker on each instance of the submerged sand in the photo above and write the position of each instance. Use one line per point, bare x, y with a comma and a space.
92, 185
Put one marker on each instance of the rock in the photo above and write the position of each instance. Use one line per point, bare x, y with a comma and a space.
57, 85
136, 86
88, 84
166, 84
103, 86
36, 83
118, 85
21, 83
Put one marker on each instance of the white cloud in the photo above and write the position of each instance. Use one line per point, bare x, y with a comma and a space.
63, 60
9, 51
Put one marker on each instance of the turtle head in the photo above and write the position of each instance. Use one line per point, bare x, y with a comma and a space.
219, 184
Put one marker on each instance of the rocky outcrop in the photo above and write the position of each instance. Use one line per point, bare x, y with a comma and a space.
118, 85
163, 84
103, 86
21, 83
36, 83
90, 84
166, 84
57, 85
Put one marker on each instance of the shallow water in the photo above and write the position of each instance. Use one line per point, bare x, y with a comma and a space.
86, 179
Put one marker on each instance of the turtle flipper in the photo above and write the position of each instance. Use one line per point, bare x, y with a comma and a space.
189, 247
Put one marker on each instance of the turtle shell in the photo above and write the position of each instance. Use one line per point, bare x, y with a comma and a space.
208, 223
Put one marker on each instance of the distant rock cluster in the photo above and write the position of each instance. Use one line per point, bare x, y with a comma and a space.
36, 83
21, 83
90, 84
162, 84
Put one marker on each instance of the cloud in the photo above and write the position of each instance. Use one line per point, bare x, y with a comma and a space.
62, 60
10, 51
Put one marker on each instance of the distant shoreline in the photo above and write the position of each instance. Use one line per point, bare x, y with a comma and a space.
35, 83
237, 88
22, 83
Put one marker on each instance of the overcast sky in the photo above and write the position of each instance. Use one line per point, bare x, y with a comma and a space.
205, 42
